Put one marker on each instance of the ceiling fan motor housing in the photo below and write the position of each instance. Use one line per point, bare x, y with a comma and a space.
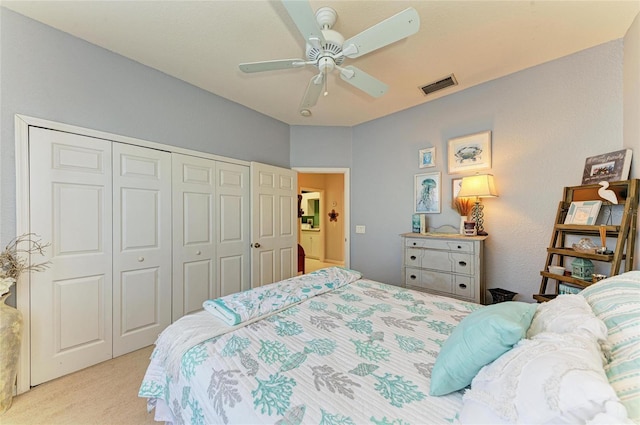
333, 46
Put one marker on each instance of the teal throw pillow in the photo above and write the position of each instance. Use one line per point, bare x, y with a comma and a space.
480, 338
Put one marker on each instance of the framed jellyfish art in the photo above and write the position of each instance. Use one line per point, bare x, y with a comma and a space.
427, 193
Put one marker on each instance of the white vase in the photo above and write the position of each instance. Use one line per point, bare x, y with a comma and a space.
463, 218
10, 336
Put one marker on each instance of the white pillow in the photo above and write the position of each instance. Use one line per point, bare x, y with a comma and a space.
553, 378
567, 314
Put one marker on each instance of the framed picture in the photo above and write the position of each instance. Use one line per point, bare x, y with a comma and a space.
610, 167
456, 184
469, 153
427, 193
427, 157
583, 212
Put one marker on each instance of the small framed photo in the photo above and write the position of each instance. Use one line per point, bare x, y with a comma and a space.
427, 157
469, 153
583, 212
456, 184
427, 193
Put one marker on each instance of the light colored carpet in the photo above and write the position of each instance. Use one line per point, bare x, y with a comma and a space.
103, 394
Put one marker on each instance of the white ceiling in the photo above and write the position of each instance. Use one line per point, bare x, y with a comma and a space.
202, 42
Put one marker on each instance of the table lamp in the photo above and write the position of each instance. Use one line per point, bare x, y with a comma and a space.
478, 186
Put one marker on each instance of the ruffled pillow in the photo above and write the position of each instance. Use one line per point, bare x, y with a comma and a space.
566, 314
551, 379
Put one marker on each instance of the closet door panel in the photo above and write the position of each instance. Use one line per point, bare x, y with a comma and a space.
232, 229
70, 207
142, 246
194, 277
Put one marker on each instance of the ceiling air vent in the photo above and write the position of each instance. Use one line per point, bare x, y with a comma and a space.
443, 83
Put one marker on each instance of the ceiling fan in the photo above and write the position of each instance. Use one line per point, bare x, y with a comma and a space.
327, 49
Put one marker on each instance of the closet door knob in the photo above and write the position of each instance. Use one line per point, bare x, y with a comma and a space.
462, 285
462, 263
413, 277
413, 257
198, 252
257, 245
140, 259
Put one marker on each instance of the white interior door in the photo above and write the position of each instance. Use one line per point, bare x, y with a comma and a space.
233, 250
274, 224
194, 213
142, 246
70, 192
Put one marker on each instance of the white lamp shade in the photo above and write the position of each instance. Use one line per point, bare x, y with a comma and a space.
480, 185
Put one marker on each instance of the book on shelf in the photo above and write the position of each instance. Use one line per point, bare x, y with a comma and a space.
419, 223
610, 167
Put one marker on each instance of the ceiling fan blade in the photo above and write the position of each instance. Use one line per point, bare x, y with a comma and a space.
384, 33
304, 18
365, 82
271, 65
313, 91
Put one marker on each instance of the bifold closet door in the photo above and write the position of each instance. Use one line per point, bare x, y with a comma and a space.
70, 207
142, 246
233, 227
194, 216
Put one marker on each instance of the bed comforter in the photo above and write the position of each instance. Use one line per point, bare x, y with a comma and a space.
362, 353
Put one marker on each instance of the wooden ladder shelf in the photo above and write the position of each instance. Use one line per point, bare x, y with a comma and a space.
625, 234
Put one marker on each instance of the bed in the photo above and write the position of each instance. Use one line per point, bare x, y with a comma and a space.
332, 347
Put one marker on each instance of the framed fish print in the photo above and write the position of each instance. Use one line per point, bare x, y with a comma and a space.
469, 153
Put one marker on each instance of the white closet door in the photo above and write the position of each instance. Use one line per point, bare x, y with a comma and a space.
70, 195
194, 277
274, 224
232, 229
142, 246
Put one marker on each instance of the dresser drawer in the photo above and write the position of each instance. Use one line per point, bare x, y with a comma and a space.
453, 262
440, 244
433, 281
413, 257
444, 283
464, 286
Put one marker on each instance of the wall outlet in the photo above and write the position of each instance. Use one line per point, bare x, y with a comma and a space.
360, 229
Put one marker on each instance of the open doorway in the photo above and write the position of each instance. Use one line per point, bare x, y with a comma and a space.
324, 217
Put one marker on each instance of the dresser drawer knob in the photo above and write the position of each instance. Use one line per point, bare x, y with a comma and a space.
462, 263
413, 277
462, 285
413, 257
459, 247
414, 244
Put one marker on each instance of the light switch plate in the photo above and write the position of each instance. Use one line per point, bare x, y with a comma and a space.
360, 229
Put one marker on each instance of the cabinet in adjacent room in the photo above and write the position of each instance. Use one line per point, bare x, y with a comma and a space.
311, 243
446, 264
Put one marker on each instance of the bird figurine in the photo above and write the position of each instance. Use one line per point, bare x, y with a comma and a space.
607, 194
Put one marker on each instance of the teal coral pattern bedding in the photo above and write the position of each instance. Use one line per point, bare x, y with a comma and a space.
362, 353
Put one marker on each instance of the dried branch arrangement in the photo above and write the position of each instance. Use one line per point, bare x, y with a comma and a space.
13, 262
463, 205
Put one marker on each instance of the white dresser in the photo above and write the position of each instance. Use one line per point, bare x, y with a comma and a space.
445, 264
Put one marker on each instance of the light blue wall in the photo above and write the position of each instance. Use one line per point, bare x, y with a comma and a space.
321, 146
545, 121
48, 74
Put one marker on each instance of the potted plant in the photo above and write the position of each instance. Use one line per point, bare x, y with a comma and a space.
14, 260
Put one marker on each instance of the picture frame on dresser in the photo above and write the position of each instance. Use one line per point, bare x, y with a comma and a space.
427, 191
469, 153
